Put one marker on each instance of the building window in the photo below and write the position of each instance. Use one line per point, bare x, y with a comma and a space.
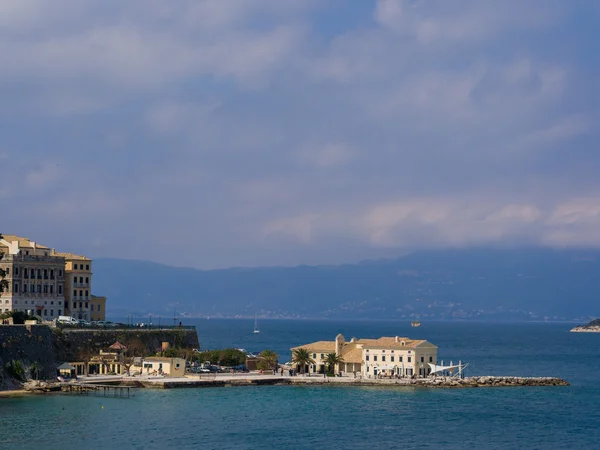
314, 355
81, 293
59, 312
87, 280
86, 305
80, 305
81, 280
367, 357
51, 289
32, 288
45, 289
74, 305
98, 307
45, 312
16, 271
431, 359
25, 288
39, 288
16, 288
25, 273
51, 312
60, 272
52, 274
87, 294
92, 307
45, 274
409, 358
52, 302
383, 358
74, 266
74, 293
60, 288
7, 270
39, 274
60, 303
422, 359
374, 357
87, 267
391, 359
399, 358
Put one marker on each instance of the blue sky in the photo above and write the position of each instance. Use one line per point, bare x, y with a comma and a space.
261, 132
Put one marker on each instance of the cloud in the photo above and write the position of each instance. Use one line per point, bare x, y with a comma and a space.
266, 132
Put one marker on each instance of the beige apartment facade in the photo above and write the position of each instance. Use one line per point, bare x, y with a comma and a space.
384, 357
78, 285
35, 276
47, 283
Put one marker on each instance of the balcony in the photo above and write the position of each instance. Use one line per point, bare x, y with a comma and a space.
81, 285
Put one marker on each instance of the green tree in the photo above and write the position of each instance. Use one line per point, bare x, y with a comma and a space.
268, 360
332, 359
302, 358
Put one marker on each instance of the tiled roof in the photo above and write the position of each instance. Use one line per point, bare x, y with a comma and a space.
353, 355
117, 346
72, 256
326, 346
23, 242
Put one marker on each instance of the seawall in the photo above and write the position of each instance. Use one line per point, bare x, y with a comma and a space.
78, 344
25, 352
253, 380
34, 351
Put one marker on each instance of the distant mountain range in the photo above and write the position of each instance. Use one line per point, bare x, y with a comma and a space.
525, 284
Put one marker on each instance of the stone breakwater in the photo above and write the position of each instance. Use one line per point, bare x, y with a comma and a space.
440, 382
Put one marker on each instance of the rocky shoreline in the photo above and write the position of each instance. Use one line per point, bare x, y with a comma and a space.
592, 327
438, 382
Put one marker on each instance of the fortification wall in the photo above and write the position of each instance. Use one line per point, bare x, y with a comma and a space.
33, 352
27, 350
77, 344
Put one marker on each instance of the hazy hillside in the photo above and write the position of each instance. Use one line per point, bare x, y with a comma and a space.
495, 284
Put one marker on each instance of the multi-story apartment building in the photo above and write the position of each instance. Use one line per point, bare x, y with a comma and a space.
36, 278
47, 283
78, 285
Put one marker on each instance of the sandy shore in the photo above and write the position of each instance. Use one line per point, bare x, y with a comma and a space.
16, 393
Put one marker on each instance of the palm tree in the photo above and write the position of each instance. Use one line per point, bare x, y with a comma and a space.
3, 282
333, 359
302, 358
268, 359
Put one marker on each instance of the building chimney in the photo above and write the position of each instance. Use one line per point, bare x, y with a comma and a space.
396, 339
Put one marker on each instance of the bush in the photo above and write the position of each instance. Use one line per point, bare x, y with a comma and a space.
15, 369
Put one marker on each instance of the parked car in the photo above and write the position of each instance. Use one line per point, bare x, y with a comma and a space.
67, 320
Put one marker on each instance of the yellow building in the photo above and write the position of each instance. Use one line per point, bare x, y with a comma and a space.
47, 283
387, 356
78, 285
170, 367
98, 308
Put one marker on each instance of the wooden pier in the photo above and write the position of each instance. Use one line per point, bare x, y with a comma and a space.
98, 390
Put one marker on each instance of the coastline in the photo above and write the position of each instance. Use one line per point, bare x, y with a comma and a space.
14, 393
586, 329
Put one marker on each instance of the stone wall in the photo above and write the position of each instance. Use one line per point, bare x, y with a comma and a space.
36, 350
28, 349
77, 344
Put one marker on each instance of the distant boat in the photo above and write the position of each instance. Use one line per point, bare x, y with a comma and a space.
256, 330
415, 323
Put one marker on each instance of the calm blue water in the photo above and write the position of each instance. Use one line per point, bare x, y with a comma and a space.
344, 417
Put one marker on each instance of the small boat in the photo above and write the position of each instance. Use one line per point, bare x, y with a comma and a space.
256, 330
415, 323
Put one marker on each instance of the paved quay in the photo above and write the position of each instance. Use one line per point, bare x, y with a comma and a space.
256, 379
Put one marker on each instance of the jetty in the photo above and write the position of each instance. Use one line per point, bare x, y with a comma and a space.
431, 382
98, 390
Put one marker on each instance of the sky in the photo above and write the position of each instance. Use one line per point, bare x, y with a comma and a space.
218, 133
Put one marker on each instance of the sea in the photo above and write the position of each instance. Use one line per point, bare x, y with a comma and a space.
299, 417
